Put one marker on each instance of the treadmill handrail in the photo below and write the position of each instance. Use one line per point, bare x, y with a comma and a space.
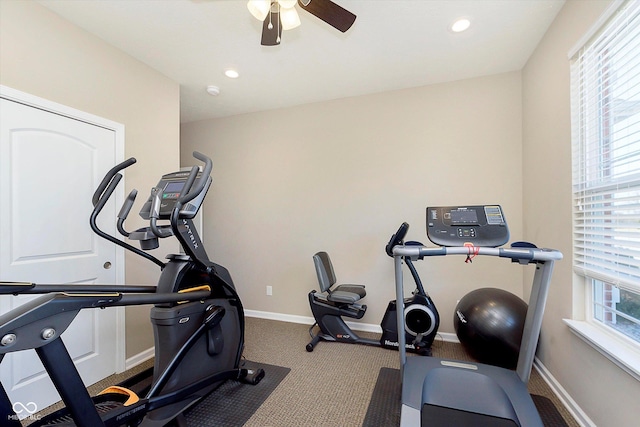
545, 260
517, 254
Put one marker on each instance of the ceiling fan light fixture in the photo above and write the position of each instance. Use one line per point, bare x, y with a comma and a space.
259, 8
283, 15
289, 18
287, 4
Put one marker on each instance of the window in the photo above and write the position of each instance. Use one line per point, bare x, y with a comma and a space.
605, 77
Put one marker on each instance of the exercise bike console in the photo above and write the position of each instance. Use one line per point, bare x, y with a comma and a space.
461, 225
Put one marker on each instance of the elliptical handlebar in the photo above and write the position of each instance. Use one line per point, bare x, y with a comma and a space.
100, 193
124, 212
101, 196
192, 188
192, 193
195, 251
154, 214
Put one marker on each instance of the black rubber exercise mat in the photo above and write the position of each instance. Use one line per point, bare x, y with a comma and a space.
384, 407
385, 404
548, 411
233, 403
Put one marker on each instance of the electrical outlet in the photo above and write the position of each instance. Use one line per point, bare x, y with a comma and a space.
269, 290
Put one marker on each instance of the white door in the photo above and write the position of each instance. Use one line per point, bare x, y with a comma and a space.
50, 164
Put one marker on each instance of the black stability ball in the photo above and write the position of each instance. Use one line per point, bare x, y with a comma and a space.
489, 324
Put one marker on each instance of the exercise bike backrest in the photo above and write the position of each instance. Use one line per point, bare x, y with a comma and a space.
177, 198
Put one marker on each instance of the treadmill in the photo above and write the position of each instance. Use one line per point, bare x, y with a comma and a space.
440, 392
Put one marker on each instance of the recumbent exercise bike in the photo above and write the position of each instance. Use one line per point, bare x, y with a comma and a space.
331, 303
198, 318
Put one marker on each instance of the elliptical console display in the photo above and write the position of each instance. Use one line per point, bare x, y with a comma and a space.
467, 225
168, 191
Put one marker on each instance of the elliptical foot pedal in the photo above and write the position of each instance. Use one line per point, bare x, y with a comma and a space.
251, 376
115, 400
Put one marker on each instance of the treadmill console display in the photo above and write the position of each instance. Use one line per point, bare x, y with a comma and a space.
459, 225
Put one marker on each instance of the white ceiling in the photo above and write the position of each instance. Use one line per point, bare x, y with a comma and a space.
393, 44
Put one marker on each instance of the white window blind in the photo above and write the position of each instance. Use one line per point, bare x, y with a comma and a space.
606, 152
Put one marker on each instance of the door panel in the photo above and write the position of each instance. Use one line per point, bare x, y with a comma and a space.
45, 210
50, 165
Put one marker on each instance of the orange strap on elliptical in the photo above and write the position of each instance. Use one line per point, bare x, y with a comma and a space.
195, 289
116, 389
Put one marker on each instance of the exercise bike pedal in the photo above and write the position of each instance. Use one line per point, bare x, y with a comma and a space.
423, 351
251, 376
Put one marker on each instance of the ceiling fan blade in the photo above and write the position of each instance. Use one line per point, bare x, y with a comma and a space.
271, 36
334, 15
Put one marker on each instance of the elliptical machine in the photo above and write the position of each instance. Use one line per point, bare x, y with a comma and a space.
198, 318
421, 318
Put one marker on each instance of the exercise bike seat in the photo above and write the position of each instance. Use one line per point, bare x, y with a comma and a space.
341, 294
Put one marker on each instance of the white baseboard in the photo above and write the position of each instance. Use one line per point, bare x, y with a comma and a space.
571, 405
308, 320
291, 318
139, 358
447, 337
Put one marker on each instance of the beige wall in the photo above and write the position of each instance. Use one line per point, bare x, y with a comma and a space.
607, 394
341, 176
46, 56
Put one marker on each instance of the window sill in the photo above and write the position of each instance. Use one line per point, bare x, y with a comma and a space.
624, 355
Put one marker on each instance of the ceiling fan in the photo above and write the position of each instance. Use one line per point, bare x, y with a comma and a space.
278, 15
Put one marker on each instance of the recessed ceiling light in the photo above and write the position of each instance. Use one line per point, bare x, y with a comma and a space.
460, 25
232, 74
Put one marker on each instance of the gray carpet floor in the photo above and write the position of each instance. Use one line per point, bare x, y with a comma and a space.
331, 386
